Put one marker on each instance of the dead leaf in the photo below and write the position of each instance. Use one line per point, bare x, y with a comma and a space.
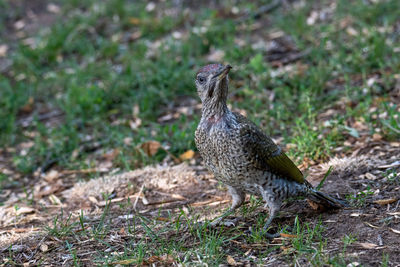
160, 259
359, 126
395, 144
163, 219
368, 245
28, 107
187, 155
128, 140
177, 35
370, 176
24, 210
315, 205
166, 117
150, 147
351, 31
51, 176
122, 231
376, 137
44, 247
30, 42
290, 146
111, 155
75, 154
53, 8
93, 200
385, 201
145, 201
288, 235
178, 196
134, 21
54, 200
135, 35
134, 124
3, 50
49, 189
231, 261
286, 249
19, 24
150, 7
124, 262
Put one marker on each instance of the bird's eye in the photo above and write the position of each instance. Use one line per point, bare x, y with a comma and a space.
201, 79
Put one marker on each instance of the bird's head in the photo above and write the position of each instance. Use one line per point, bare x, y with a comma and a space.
212, 83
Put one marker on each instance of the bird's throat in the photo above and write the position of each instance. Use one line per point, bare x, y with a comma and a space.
212, 112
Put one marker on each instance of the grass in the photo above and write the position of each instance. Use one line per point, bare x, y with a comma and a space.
184, 241
102, 77
105, 65
180, 238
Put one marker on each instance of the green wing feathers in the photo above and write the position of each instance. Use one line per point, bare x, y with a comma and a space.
265, 154
281, 164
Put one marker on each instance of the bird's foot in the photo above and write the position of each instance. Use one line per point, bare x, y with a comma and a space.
227, 223
219, 222
278, 234
272, 236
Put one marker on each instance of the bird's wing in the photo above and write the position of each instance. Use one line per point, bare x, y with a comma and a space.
265, 154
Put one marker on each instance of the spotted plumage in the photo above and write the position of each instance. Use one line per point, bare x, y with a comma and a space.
241, 155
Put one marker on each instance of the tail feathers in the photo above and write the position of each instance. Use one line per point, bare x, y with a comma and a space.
326, 200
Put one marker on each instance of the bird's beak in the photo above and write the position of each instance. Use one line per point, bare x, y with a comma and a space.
222, 74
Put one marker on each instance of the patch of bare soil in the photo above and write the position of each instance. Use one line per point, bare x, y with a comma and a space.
154, 192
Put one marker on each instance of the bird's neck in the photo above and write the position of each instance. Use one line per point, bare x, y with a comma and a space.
214, 111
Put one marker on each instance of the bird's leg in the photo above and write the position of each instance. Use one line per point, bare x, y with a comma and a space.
238, 197
273, 205
272, 214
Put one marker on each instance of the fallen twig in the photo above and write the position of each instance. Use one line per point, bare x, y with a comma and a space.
261, 10
137, 197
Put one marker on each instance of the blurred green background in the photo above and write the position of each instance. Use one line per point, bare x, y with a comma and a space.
85, 84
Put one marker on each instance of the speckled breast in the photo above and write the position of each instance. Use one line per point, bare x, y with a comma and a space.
220, 147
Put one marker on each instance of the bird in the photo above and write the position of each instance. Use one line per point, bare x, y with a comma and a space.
242, 156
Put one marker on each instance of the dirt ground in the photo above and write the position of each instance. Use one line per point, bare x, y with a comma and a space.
156, 191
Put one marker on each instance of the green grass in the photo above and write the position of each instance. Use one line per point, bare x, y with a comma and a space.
85, 67
181, 238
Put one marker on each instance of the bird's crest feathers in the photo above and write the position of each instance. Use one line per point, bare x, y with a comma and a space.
209, 67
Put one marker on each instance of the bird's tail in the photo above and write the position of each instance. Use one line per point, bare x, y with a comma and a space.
326, 200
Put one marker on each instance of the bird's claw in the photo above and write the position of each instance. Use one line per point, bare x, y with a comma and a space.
278, 234
227, 223
269, 235
272, 236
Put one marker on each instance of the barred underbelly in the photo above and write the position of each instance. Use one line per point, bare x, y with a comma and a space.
282, 188
275, 187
